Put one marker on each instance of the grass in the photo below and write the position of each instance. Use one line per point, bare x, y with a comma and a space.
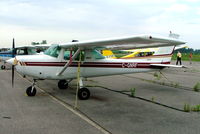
132, 92
157, 75
176, 85
188, 108
197, 87
185, 57
196, 108
152, 99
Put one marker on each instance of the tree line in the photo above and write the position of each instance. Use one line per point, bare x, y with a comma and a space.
188, 50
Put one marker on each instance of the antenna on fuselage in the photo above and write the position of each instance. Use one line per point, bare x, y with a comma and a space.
173, 35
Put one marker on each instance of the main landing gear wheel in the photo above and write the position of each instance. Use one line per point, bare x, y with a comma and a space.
83, 94
3, 67
31, 91
63, 84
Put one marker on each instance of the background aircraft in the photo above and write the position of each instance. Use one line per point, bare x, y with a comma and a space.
133, 53
23, 50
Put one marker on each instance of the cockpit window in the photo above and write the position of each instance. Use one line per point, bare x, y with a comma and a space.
53, 51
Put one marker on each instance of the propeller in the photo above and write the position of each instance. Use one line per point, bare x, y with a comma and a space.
13, 66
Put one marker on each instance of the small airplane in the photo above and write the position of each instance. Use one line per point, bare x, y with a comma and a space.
135, 53
68, 61
23, 50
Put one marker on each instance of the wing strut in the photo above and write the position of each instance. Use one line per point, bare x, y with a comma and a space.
69, 62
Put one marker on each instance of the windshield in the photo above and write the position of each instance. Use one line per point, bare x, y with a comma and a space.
31, 51
53, 51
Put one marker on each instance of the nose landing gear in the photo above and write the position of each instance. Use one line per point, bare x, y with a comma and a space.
31, 91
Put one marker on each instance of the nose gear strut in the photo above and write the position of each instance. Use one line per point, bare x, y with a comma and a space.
31, 91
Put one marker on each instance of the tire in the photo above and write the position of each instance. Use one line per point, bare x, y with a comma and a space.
83, 94
3, 67
62, 84
31, 92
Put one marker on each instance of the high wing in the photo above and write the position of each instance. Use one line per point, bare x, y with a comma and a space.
122, 43
131, 42
43, 45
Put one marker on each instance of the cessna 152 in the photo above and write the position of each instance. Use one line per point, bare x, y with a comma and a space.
61, 61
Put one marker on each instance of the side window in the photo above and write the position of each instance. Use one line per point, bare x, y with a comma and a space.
20, 52
67, 54
98, 55
82, 53
17, 51
149, 53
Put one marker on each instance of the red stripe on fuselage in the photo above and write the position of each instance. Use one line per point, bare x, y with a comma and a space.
96, 64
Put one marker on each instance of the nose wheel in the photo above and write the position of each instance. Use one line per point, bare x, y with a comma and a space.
31, 91
3, 67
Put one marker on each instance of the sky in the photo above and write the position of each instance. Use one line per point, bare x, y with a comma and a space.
64, 20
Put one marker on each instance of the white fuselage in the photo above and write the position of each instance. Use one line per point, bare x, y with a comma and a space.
47, 67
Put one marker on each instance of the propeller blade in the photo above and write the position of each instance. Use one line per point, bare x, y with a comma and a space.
13, 48
13, 67
13, 74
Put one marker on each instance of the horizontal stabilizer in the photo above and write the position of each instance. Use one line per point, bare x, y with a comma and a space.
168, 65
